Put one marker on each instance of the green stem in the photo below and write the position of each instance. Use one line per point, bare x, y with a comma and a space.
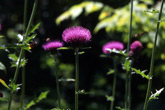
57, 85
23, 88
114, 85
128, 76
77, 78
153, 59
23, 68
22, 51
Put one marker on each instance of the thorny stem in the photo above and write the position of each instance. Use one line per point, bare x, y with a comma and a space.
114, 85
152, 60
22, 51
128, 76
57, 84
77, 77
23, 68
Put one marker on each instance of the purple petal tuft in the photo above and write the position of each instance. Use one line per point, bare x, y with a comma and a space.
112, 45
51, 45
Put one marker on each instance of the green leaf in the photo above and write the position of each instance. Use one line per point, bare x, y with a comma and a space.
111, 71
2, 67
1, 36
119, 108
4, 83
30, 38
142, 73
156, 94
109, 98
13, 57
81, 92
57, 109
35, 27
3, 100
64, 48
14, 87
67, 80
127, 65
152, 11
42, 96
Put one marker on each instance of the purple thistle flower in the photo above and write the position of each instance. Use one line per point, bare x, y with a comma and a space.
76, 35
52, 45
136, 47
112, 45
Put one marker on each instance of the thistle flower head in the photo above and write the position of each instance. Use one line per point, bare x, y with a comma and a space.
76, 35
136, 47
112, 45
52, 45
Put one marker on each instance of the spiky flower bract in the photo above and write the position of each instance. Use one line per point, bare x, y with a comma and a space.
76, 35
112, 45
52, 45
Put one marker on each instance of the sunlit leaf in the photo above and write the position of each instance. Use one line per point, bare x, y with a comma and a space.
152, 11
142, 73
35, 27
109, 98
13, 57
4, 83
2, 67
30, 38
119, 108
42, 96
111, 71
1, 36
67, 80
91, 7
65, 48
156, 94
63, 17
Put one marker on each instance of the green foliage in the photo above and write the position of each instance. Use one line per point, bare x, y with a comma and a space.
3, 100
15, 60
109, 98
35, 28
76, 10
2, 67
42, 96
142, 73
14, 87
4, 83
119, 108
111, 71
127, 65
156, 94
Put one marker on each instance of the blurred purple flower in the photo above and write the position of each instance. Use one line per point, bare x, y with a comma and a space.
52, 45
76, 35
112, 45
136, 47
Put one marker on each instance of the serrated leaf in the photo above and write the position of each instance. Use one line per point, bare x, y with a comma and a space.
35, 27
4, 83
156, 94
42, 96
111, 71
14, 87
109, 98
30, 38
127, 65
142, 73
2, 67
